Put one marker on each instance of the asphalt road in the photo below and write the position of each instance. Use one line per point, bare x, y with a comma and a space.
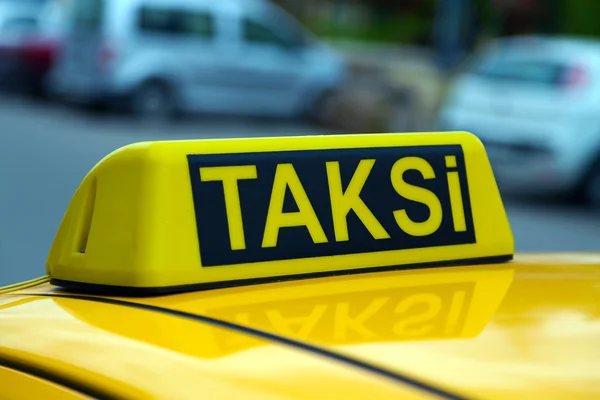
46, 149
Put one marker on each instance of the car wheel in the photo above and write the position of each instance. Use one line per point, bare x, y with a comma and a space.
320, 110
592, 187
153, 102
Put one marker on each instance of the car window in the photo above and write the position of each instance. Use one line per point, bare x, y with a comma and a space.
525, 71
24, 2
54, 17
88, 14
19, 24
176, 22
257, 32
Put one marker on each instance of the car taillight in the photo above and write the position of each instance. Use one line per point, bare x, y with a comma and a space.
39, 52
574, 76
106, 56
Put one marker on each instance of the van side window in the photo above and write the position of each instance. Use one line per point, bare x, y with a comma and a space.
258, 33
176, 22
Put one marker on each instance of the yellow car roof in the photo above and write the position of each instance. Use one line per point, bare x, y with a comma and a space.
528, 329
359, 266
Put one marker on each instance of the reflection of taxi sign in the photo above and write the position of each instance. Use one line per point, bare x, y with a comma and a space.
413, 305
166, 215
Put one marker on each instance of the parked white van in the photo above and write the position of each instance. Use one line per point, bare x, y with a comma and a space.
159, 57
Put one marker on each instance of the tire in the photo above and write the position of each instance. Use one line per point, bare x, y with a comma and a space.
154, 102
591, 189
318, 111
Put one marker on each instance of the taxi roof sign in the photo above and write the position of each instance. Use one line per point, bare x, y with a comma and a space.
169, 216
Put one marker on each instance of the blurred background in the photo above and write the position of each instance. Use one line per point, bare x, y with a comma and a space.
80, 78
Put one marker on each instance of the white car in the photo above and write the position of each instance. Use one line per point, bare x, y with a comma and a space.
162, 56
535, 103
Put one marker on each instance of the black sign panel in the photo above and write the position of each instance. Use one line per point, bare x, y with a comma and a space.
270, 206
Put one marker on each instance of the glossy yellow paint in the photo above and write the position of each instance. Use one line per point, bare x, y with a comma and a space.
17, 385
528, 329
131, 222
127, 353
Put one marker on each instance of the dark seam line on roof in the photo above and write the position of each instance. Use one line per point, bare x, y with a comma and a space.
60, 380
398, 377
127, 291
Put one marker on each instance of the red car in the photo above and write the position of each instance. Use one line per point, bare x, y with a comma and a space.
27, 53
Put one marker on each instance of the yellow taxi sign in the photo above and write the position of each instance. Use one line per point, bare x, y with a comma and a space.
166, 215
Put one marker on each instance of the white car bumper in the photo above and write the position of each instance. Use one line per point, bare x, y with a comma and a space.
529, 170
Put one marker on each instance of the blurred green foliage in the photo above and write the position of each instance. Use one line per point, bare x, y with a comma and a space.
580, 17
412, 21
400, 30
399, 21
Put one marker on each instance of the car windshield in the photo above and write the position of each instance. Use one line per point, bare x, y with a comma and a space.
522, 70
289, 32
